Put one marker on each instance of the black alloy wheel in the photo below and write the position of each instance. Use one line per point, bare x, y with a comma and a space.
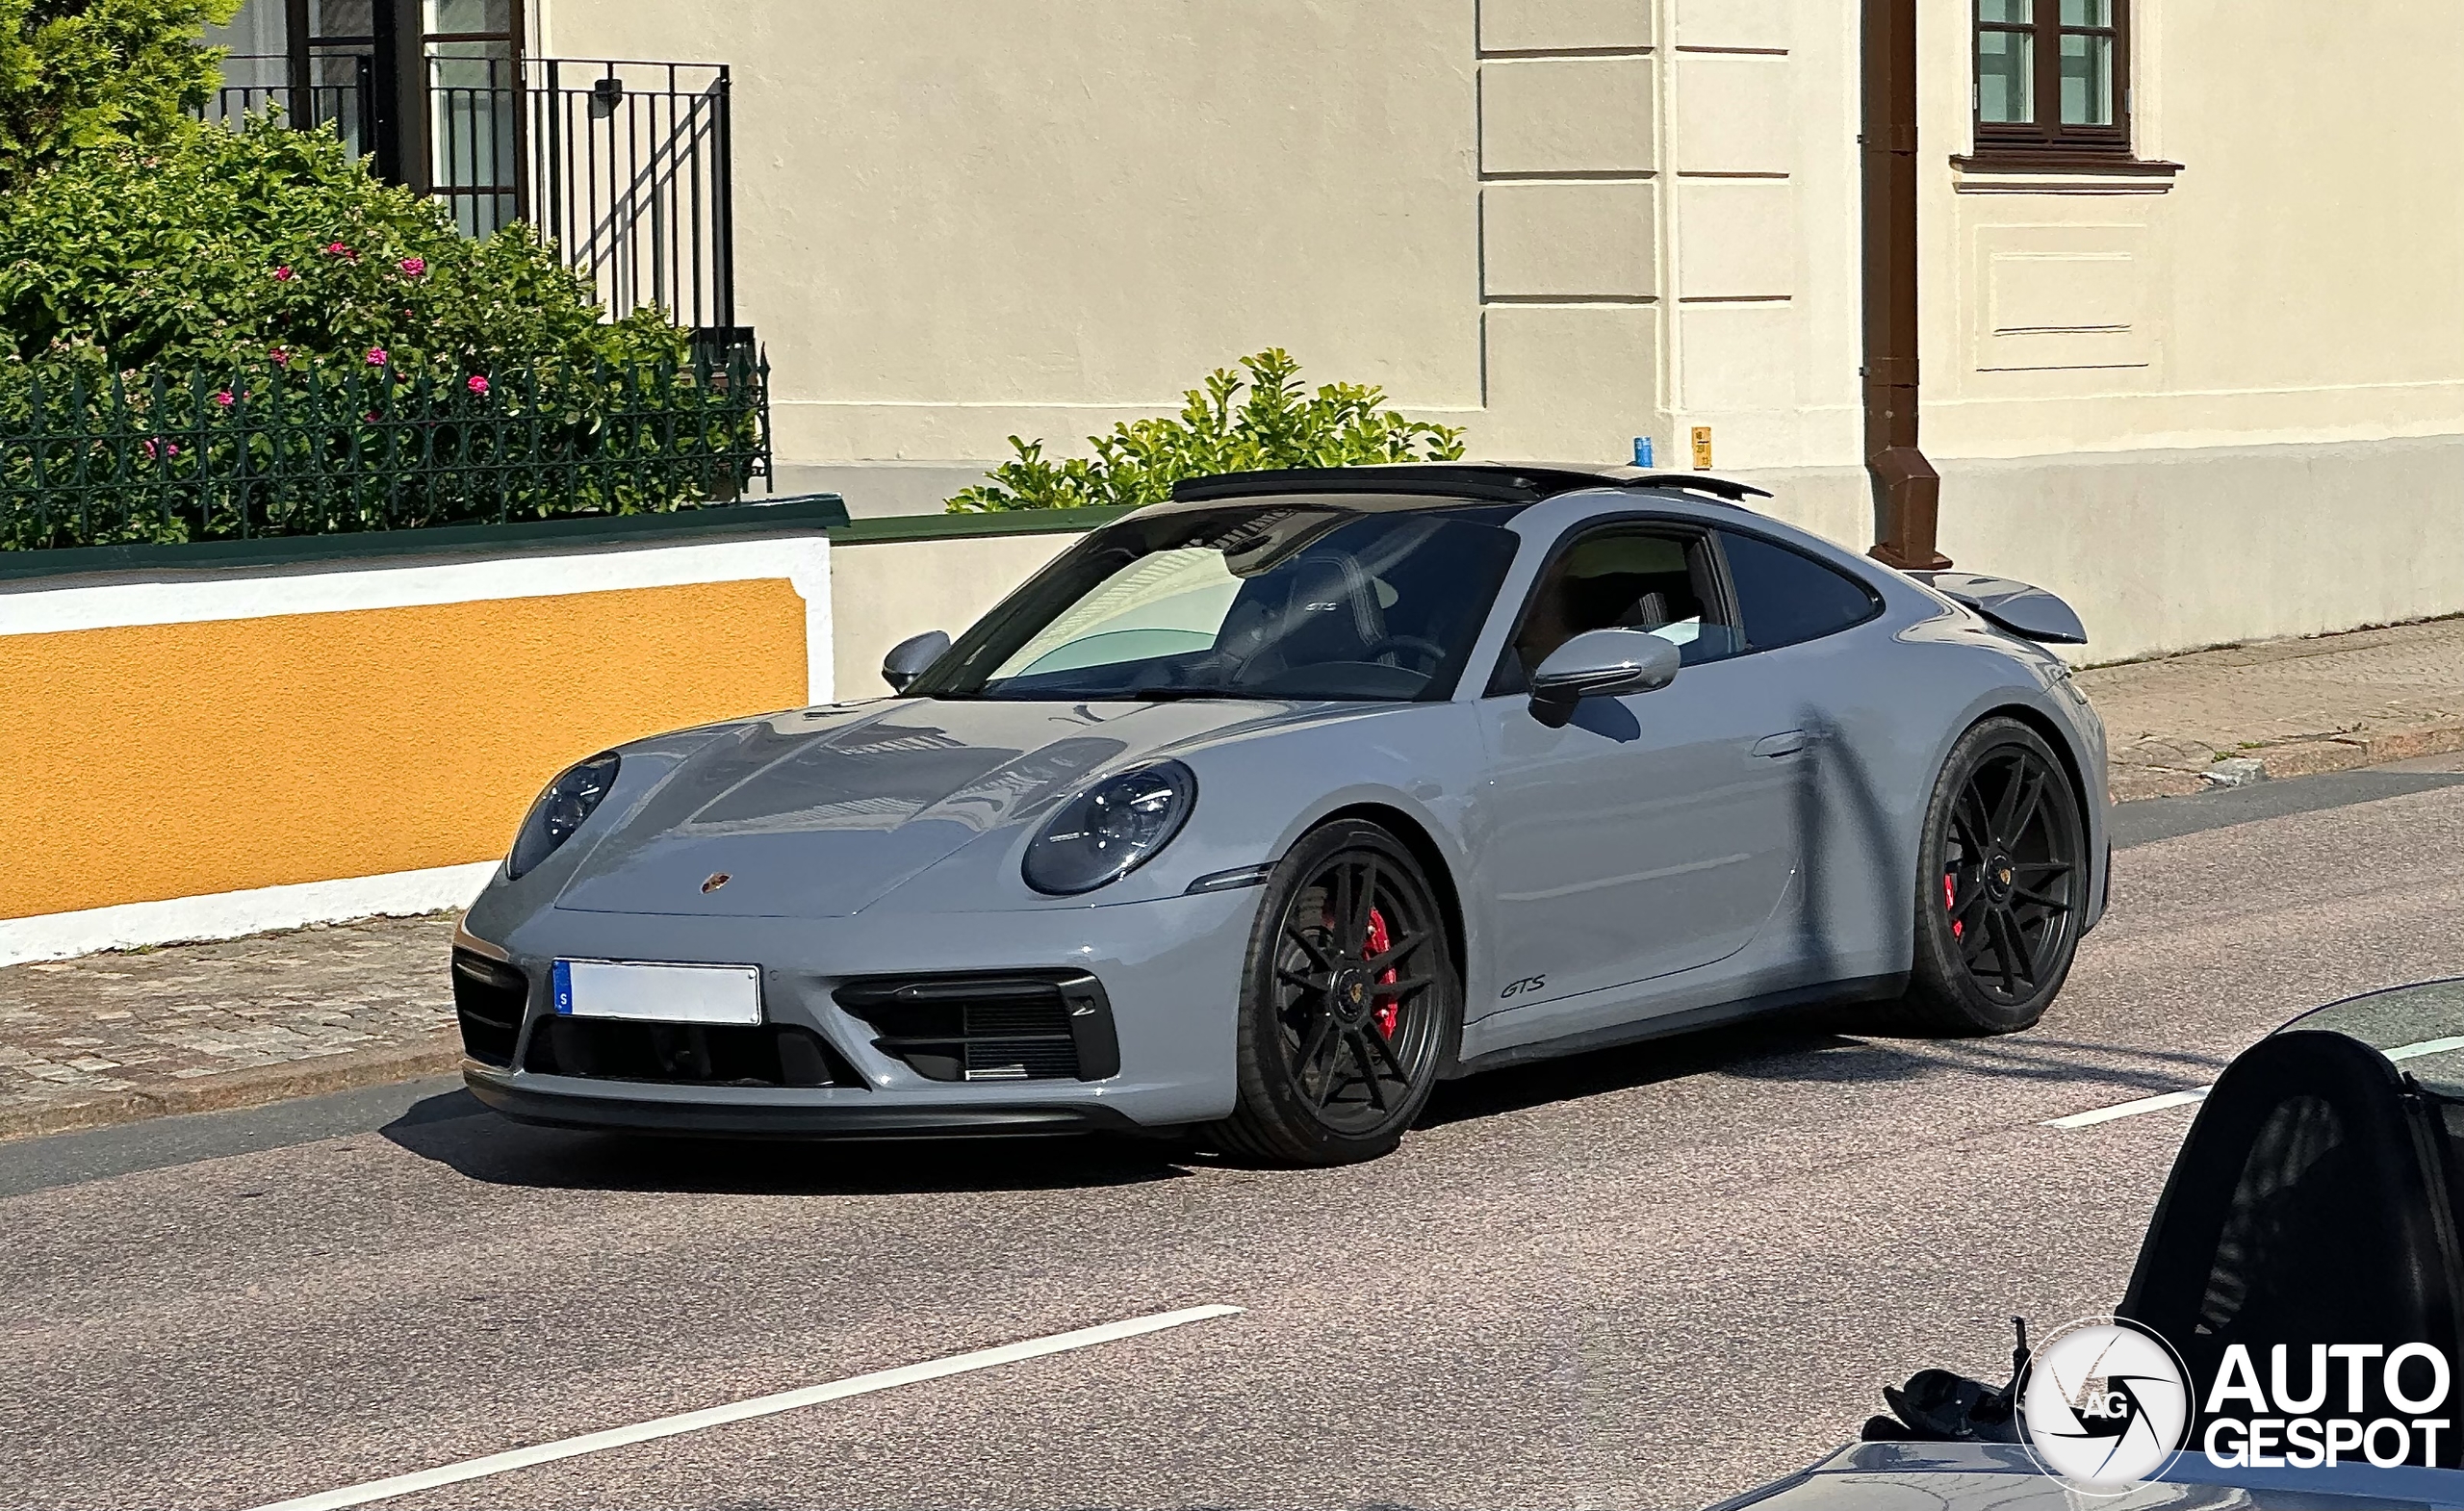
2002, 886
1349, 1003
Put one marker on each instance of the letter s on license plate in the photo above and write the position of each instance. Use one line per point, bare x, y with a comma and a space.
644, 993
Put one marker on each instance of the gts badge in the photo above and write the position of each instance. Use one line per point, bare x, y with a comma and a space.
1524, 987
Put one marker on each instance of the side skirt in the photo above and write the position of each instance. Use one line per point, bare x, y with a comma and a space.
1861, 988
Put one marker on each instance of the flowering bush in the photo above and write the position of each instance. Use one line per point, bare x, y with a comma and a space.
224, 248
1279, 425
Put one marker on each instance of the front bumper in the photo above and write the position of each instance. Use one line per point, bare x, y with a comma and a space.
1170, 970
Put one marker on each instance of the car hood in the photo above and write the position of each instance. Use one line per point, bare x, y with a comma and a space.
814, 814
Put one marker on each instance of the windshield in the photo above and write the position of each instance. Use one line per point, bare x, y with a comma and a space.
1246, 601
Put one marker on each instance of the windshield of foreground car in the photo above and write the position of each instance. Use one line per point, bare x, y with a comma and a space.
1255, 600
2420, 1026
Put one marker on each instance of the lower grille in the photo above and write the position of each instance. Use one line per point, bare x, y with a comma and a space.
689, 1054
1024, 1027
489, 997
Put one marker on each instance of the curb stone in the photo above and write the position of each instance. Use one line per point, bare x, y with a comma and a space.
258, 1085
2294, 758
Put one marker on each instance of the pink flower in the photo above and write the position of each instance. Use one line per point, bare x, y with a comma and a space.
413, 267
283, 273
167, 448
477, 385
372, 417
222, 397
281, 358
338, 249
375, 356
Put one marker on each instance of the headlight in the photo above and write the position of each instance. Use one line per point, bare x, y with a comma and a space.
1111, 828
561, 809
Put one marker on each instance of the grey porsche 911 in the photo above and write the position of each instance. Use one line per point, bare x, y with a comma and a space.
1260, 812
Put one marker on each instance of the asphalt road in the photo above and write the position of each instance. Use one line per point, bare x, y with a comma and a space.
1646, 1278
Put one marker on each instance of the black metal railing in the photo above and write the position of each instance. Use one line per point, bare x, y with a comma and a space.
290, 450
630, 172
626, 166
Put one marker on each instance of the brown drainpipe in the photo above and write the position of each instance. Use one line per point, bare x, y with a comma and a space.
1907, 489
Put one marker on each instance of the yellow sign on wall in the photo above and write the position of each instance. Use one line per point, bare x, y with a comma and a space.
1701, 448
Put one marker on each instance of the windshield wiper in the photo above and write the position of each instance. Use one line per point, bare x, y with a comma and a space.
1167, 694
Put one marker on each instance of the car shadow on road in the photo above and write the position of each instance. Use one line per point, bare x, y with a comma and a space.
1837, 1045
455, 1130
1573, 1077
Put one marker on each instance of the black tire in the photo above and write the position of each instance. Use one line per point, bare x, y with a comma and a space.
2001, 885
1349, 1003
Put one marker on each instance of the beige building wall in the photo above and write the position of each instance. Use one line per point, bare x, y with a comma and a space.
1563, 223
961, 220
2301, 279
2229, 403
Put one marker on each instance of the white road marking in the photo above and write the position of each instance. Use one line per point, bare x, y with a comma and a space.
743, 1411
2158, 1104
2428, 1046
2145, 1104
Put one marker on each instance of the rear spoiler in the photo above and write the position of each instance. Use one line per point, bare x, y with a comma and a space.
2030, 612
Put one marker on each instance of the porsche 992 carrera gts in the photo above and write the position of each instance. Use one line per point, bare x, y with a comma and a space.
1259, 813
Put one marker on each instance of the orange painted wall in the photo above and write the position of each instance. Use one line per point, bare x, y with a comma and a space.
170, 760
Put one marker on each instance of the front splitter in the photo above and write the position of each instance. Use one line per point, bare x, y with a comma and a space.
616, 1113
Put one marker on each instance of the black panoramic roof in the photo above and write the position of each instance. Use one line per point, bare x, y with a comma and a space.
1468, 482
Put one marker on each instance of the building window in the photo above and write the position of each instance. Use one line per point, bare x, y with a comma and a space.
2052, 76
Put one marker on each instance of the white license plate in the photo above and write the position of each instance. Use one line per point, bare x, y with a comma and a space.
658, 994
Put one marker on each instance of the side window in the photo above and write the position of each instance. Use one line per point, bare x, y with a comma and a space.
1785, 596
1659, 581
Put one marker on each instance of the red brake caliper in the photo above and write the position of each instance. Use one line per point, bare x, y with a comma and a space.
1378, 943
1951, 901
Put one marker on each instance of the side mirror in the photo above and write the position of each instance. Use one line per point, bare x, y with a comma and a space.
1600, 663
908, 659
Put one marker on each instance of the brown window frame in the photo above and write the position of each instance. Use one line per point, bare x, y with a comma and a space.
2046, 136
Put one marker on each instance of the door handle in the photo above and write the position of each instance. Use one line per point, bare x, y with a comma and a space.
1787, 742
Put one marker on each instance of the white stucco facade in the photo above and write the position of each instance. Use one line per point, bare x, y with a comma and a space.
2219, 403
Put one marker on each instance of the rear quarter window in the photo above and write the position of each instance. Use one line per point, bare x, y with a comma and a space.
1785, 596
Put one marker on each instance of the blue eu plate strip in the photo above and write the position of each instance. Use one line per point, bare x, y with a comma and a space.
563, 978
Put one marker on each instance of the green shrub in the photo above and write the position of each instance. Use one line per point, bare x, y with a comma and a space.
80, 74
1278, 424
222, 248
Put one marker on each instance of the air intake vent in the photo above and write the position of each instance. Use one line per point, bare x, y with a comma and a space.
687, 1054
489, 997
1028, 1027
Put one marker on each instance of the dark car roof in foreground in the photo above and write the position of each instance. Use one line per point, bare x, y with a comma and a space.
1419, 485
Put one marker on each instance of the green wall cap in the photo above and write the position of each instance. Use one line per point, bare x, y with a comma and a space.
884, 531
804, 514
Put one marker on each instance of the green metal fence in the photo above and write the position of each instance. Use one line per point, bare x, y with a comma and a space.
286, 448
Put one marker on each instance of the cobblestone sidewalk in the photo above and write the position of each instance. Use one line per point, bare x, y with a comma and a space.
2282, 707
194, 1027
109, 1037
